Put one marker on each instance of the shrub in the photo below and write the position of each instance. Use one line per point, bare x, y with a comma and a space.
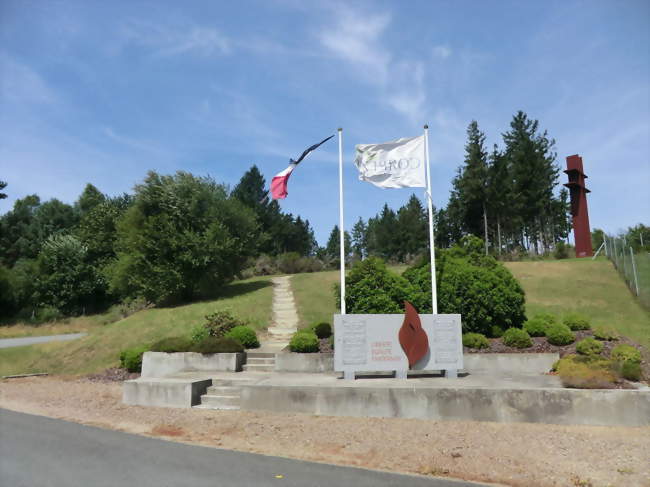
217, 345
561, 251
606, 334
221, 322
372, 288
626, 353
576, 321
547, 318
199, 333
589, 347
475, 340
518, 338
132, 305
630, 371
536, 327
304, 341
496, 331
323, 330
479, 288
244, 335
585, 374
47, 314
172, 344
559, 334
331, 341
131, 358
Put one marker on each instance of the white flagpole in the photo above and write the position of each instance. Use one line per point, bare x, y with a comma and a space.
341, 229
434, 291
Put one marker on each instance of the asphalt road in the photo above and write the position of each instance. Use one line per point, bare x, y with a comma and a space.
36, 451
21, 342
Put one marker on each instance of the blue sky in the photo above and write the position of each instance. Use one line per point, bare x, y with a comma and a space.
101, 92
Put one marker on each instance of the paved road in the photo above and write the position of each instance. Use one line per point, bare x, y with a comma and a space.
20, 342
37, 451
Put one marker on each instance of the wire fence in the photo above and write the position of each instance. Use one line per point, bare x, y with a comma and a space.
633, 266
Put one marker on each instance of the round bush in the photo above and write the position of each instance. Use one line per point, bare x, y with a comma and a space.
481, 289
536, 327
589, 347
546, 318
475, 340
131, 358
576, 321
626, 353
631, 371
323, 330
172, 344
244, 335
582, 373
217, 345
371, 288
221, 322
559, 334
304, 341
518, 338
604, 333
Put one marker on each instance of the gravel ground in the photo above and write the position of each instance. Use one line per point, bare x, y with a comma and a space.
518, 454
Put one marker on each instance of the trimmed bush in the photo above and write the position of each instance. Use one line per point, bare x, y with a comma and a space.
475, 340
479, 288
131, 358
221, 322
559, 335
626, 353
630, 371
582, 373
576, 321
304, 341
546, 318
589, 347
217, 345
371, 288
536, 327
496, 331
518, 338
244, 335
199, 333
604, 333
172, 344
323, 330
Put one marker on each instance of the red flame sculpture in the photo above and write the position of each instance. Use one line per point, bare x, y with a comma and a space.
412, 337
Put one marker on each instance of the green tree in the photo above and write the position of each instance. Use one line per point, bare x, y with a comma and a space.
3, 185
359, 239
182, 238
89, 199
333, 247
412, 230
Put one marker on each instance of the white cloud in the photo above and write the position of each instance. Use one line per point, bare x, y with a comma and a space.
20, 83
442, 52
170, 40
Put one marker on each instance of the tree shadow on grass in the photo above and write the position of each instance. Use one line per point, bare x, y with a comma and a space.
235, 289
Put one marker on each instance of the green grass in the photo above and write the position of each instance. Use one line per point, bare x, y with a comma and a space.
249, 299
590, 287
72, 325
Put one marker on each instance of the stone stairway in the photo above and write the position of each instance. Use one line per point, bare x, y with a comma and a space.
222, 394
285, 316
259, 362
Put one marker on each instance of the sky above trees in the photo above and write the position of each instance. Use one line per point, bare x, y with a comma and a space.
102, 92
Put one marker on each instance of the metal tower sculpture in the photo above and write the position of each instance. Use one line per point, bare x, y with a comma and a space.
578, 192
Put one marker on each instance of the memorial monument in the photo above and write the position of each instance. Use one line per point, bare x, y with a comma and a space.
579, 213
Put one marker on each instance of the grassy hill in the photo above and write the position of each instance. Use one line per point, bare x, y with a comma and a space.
590, 287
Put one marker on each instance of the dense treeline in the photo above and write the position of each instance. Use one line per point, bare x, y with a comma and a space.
506, 197
176, 238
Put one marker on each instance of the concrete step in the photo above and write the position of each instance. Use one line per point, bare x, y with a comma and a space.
250, 355
220, 402
260, 361
231, 382
259, 368
233, 391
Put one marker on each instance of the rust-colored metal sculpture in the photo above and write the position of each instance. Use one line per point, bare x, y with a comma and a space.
578, 191
412, 337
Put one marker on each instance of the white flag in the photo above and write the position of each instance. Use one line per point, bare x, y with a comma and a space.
396, 164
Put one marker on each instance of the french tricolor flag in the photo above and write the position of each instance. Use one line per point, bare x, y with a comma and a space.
281, 179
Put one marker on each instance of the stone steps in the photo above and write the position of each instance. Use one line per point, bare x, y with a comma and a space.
259, 367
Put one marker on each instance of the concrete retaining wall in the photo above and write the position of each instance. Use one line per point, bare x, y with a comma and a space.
168, 393
555, 406
304, 362
519, 363
161, 364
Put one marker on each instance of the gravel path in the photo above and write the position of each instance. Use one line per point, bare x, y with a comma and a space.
285, 315
518, 454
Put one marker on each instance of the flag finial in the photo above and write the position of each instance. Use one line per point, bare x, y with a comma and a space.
426, 126
340, 129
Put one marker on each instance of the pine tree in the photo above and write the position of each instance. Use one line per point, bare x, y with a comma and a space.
89, 198
360, 239
411, 236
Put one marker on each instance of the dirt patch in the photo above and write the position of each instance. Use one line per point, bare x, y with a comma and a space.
114, 374
518, 454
